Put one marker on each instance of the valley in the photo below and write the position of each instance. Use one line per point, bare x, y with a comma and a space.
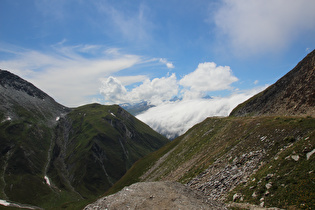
260, 156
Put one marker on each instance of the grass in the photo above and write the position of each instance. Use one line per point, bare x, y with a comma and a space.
88, 140
227, 138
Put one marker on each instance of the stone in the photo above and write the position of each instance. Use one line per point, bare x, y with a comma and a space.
295, 157
268, 185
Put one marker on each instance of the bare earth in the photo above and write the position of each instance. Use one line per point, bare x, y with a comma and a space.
156, 195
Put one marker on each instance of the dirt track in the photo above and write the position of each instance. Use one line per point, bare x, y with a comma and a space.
156, 195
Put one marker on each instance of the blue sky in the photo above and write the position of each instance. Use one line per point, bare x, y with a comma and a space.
81, 51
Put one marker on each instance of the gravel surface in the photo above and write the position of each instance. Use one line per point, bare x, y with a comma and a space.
156, 195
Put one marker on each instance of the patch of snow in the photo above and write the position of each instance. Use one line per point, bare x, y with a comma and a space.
4, 203
7, 119
309, 154
47, 180
113, 114
57, 118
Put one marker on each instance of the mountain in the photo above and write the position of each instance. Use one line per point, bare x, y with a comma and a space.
293, 94
137, 108
52, 156
20, 99
253, 161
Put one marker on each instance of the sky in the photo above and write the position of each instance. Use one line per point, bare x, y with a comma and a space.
190, 59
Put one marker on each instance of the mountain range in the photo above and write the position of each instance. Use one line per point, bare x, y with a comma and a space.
261, 156
52, 155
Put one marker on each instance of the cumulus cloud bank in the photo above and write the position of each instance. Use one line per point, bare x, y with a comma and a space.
174, 117
264, 26
207, 77
155, 91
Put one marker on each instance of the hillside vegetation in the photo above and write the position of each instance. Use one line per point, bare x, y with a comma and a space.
219, 154
52, 156
263, 154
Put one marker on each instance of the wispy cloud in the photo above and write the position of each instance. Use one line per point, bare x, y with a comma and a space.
167, 63
65, 72
253, 27
132, 24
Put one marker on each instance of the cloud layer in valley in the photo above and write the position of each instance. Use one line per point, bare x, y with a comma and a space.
175, 118
180, 104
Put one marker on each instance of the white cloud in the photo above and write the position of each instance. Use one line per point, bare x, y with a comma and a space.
208, 77
256, 82
175, 118
128, 80
167, 63
154, 91
264, 26
132, 24
64, 72
113, 90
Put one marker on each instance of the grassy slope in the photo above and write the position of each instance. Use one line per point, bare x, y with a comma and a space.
103, 138
24, 145
228, 138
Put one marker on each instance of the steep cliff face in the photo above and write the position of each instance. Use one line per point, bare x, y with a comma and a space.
293, 94
51, 155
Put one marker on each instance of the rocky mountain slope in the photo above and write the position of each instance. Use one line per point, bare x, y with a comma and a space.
245, 162
52, 156
293, 94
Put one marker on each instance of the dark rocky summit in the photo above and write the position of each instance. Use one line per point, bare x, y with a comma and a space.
293, 94
17, 97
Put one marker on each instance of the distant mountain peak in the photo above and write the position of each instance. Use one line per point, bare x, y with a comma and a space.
293, 94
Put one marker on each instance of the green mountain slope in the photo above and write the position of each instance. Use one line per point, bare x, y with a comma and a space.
263, 154
96, 145
55, 157
219, 154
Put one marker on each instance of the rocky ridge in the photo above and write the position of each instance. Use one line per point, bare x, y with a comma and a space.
292, 94
259, 157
